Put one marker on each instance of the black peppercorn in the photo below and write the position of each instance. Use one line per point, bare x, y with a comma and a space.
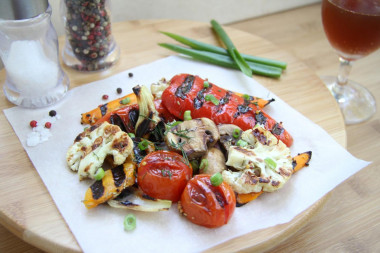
52, 113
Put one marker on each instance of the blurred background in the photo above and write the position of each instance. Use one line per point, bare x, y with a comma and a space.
224, 11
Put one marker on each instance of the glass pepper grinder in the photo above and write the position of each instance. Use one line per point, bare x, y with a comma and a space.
29, 51
90, 45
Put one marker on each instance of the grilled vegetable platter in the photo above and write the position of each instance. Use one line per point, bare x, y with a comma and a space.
184, 142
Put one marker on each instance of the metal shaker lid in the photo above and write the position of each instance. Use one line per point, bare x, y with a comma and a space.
22, 9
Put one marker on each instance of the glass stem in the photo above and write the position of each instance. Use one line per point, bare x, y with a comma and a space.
344, 70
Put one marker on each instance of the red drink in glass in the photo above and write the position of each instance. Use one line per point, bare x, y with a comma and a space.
352, 27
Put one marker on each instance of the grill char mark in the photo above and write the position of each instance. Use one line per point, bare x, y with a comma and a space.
199, 99
103, 109
277, 129
97, 189
242, 109
185, 87
118, 175
260, 118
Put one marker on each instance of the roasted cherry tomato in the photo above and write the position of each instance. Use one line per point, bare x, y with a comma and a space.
205, 204
163, 175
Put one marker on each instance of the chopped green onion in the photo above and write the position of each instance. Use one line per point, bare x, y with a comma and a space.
242, 143
194, 165
236, 133
204, 165
271, 164
125, 101
223, 60
210, 97
246, 97
99, 174
143, 144
206, 84
132, 135
216, 179
233, 52
129, 222
194, 44
187, 115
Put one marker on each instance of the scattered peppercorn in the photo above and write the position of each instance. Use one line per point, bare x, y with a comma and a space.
52, 113
119, 90
48, 125
130, 74
105, 97
33, 123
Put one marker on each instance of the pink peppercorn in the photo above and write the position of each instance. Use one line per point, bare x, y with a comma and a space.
48, 125
105, 97
33, 123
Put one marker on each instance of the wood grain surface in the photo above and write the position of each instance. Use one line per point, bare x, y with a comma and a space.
349, 220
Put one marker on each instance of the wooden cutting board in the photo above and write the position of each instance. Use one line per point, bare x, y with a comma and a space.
26, 207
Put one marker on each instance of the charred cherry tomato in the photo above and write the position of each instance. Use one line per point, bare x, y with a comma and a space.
205, 204
163, 175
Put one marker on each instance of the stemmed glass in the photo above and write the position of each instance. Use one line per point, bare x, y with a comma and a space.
353, 30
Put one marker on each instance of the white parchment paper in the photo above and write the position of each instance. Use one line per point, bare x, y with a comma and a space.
101, 229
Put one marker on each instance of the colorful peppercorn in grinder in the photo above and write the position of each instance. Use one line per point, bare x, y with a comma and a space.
89, 45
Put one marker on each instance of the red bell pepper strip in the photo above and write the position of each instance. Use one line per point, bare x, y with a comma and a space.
188, 92
129, 113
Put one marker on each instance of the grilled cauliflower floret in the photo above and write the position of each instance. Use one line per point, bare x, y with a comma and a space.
157, 88
93, 145
264, 165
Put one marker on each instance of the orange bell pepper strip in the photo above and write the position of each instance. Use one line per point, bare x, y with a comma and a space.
91, 117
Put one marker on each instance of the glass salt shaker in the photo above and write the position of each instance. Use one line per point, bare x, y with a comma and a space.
29, 51
89, 45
